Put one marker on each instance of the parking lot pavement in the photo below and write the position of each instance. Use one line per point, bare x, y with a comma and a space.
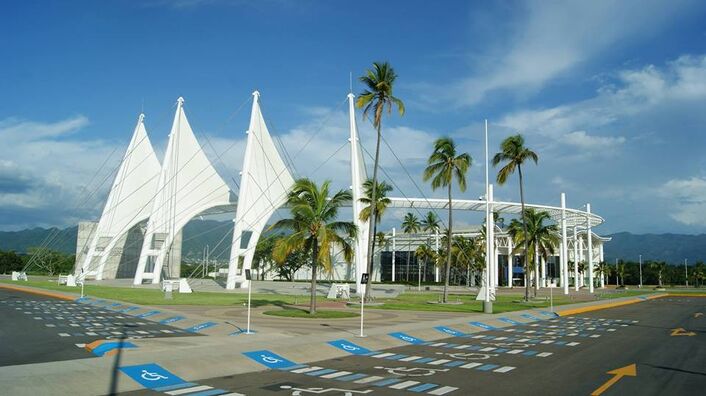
38, 329
552, 356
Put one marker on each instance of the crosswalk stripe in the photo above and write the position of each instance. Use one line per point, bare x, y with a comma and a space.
383, 355
307, 369
438, 362
410, 358
372, 378
189, 390
403, 385
504, 369
443, 390
471, 365
336, 375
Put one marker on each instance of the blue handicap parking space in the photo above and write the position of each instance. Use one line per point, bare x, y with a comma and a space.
508, 320
407, 338
151, 375
349, 347
528, 316
449, 331
549, 313
200, 326
482, 325
172, 319
147, 314
128, 309
270, 359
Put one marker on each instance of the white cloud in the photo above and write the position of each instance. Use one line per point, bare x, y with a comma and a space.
687, 199
582, 140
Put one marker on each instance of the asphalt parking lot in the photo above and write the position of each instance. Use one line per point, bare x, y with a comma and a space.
39, 329
664, 339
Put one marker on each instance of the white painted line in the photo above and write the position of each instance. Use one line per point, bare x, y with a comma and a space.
534, 325
189, 390
410, 358
233, 394
443, 390
504, 369
307, 369
90, 333
438, 362
462, 347
611, 329
383, 355
478, 336
471, 365
65, 334
515, 351
544, 354
595, 336
335, 375
530, 331
438, 344
547, 342
488, 349
523, 340
573, 343
405, 384
572, 334
500, 338
368, 379
80, 345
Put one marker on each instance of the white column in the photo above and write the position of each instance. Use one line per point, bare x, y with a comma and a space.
564, 247
576, 259
436, 267
544, 271
510, 260
589, 248
393, 254
600, 260
490, 232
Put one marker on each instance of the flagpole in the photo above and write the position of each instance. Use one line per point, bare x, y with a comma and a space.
487, 305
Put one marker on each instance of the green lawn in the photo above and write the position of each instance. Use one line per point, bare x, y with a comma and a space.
415, 301
303, 313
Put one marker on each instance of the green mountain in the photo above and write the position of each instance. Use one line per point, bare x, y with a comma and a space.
672, 248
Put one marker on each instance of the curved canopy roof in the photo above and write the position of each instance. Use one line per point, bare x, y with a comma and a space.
574, 217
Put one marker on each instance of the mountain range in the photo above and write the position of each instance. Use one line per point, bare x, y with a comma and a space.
672, 248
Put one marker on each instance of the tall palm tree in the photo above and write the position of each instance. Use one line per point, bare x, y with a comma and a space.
381, 190
424, 254
377, 97
601, 270
621, 272
582, 266
445, 165
410, 225
540, 238
314, 228
514, 154
659, 266
465, 255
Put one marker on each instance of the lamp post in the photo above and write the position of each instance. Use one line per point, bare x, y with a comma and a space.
641, 271
686, 274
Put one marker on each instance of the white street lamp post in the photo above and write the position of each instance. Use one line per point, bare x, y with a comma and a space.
640, 271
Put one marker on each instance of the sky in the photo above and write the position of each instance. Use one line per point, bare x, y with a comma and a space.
611, 95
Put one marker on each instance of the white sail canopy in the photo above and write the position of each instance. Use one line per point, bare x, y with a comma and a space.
264, 183
129, 200
188, 185
358, 177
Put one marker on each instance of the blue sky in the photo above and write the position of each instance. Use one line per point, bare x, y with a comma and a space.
610, 94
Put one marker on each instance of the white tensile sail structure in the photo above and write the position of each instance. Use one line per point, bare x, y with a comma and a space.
358, 177
264, 183
128, 202
188, 185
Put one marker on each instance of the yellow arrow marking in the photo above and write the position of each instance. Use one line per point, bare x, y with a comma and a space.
630, 370
681, 332
696, 315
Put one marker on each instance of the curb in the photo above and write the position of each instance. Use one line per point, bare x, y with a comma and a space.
598, 307
38, 292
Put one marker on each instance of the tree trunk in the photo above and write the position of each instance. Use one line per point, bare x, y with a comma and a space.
448, 251
524, 230
373, 216
314, 261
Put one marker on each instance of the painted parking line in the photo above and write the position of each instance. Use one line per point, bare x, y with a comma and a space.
200, 326
483, 325
147, 314
499, 348
128, 309
531, 317
549, 313
510, 321
407, 338
450, 331
349, 347
107, 348
172, 319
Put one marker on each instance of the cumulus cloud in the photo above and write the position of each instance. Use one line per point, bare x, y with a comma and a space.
687, 199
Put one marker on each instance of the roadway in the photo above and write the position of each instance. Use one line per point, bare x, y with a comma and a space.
664, 338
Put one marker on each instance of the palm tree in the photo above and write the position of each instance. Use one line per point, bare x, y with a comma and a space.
380, 240
379, 82
582, 269
659, 266
314, 228
602, 270
410, 225
465, 254
424, 254
445, 165
538, 237
382, 202
430, 224
621, 272
514, 153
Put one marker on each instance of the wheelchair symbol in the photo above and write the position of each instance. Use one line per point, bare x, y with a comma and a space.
412, 371
408, 339
270, 359
349, 347
148, 376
